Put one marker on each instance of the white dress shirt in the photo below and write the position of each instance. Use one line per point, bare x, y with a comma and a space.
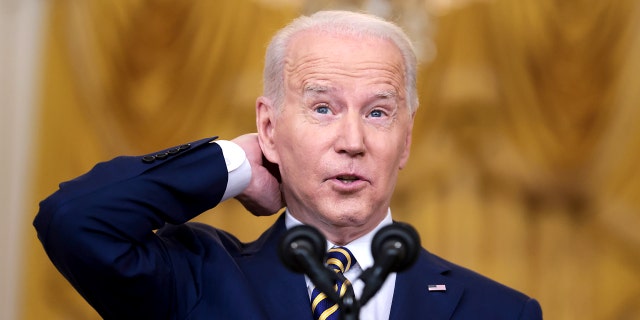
379, 306
238, 168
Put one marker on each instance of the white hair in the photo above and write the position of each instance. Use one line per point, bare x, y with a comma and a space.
341, 23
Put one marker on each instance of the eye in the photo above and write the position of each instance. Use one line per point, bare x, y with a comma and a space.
376, 113
322, 109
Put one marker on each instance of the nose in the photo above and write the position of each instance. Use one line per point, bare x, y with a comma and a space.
350, 137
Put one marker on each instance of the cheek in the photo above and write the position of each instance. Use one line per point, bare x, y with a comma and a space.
294, 158
390, 151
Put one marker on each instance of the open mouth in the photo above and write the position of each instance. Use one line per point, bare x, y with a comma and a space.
347, 179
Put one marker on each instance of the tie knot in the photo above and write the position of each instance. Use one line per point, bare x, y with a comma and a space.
340, 259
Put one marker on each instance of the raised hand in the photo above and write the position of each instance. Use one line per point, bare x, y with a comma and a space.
262, 197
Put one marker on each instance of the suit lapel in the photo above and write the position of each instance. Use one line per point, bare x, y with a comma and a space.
283, 293
412, 298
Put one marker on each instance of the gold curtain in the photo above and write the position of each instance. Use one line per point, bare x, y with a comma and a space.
525, 158
135, 76
525, 165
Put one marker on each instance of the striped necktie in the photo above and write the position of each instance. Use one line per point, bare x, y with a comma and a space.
339, 259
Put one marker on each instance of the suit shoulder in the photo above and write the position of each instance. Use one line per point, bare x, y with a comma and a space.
481, 291
477, 280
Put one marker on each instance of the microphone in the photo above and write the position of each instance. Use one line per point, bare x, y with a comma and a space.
302, 250
394, 248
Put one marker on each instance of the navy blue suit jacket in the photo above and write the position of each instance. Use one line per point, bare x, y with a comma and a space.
120, 235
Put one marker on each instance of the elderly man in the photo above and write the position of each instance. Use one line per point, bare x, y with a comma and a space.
334, 130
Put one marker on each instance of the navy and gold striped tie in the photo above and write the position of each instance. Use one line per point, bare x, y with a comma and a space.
339, 259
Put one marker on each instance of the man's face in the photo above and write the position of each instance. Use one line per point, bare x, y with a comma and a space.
343, 132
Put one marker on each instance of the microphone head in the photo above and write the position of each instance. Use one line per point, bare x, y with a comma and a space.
400, 240
298, 240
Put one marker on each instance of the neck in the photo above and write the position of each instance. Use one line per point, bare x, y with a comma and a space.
341, 233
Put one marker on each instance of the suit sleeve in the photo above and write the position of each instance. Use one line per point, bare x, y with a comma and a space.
98, 229
531, 310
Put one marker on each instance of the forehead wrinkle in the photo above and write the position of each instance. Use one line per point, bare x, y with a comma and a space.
296, 67
312, 75
296, 62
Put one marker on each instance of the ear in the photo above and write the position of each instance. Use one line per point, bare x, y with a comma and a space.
266, 114
404, 157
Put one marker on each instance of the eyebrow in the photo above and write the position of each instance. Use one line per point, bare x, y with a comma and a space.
316, 88
386, 94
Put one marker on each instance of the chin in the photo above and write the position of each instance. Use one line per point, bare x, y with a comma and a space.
348, 218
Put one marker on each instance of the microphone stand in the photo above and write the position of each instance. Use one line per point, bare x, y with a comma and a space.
395, 248
373, 279
349, 305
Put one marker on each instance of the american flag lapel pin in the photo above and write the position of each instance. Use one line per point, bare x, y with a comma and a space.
437, 287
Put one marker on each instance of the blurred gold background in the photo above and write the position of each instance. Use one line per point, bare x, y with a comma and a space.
526, 155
